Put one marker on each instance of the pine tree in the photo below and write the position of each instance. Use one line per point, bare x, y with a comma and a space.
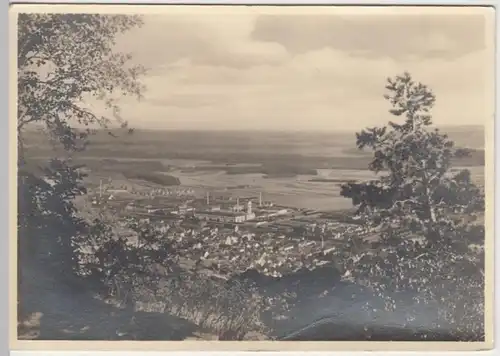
415, 189
423, 215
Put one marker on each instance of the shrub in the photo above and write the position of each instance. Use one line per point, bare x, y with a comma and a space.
229, 311
47, 219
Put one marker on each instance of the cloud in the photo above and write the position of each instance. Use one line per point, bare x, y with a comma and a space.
209, 40
324, 89
252, 71
397, 36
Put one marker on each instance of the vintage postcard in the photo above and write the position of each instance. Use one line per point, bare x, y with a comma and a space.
252, 177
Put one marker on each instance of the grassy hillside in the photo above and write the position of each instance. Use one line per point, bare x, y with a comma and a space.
49, 309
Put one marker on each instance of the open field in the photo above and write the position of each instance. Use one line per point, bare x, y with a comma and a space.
302, 170
297, 191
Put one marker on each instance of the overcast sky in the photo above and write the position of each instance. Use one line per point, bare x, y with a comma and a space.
322, 70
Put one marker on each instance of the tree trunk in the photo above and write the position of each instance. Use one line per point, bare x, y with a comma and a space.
430, 213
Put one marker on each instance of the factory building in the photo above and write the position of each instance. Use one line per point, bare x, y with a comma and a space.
221, 216
234, 214
266, 204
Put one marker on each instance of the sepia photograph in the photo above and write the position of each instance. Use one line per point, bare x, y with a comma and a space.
212, 174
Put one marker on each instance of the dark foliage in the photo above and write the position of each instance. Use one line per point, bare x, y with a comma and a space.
429, 246
63, 59
47, 219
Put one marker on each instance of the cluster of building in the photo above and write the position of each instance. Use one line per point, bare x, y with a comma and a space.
229, 234
226, 214
173, 206
110, 192
228, 251
239, 212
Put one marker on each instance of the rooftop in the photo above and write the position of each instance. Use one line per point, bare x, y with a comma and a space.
221, 213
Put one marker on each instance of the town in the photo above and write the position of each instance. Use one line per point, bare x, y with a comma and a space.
225, 234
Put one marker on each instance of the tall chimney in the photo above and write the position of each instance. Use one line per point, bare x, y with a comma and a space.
208, 198
260, 198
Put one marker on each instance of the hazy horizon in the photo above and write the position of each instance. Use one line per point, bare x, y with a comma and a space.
283, 130
293, 130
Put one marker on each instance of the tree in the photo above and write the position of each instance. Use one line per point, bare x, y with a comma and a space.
127, 270
47, 219
423, 215
64, 59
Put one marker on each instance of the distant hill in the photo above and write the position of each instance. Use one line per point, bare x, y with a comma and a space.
470, 136
310, 150
466, 134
